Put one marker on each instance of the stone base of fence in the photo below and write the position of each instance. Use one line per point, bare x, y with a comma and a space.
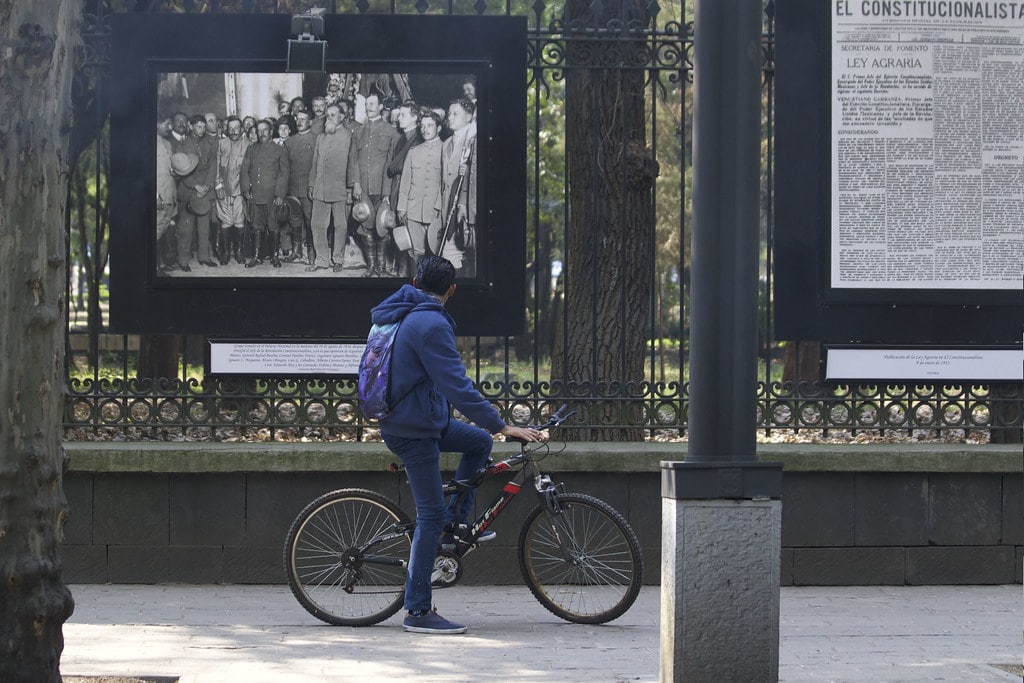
197, 512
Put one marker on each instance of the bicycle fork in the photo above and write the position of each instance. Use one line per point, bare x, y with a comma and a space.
548, 493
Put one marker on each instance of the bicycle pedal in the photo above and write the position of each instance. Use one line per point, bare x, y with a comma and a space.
448, 542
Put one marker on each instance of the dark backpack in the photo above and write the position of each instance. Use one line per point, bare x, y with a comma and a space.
375, 371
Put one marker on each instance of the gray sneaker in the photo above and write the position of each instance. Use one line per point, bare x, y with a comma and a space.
431, 622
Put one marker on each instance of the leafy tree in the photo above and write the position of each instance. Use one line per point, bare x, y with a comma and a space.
546, 183
89, 216
38, 43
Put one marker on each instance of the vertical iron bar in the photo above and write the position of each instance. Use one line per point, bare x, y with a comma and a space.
769, 336
685, 328
656, 327
538, 304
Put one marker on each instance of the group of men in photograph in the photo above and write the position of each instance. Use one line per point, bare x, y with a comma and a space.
394, 183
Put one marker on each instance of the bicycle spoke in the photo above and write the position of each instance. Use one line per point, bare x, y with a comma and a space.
595, 574
323, 558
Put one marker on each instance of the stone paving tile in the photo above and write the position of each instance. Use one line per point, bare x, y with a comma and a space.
227, 634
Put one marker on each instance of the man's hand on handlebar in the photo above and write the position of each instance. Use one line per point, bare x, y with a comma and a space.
523, 433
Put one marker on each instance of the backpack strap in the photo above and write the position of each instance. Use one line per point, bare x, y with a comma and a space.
391, 350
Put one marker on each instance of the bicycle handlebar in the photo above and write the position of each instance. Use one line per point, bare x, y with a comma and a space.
556, 418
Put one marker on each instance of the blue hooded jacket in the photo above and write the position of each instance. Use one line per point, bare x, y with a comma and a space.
427, 373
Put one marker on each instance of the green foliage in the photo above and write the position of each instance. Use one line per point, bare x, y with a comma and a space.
546, 177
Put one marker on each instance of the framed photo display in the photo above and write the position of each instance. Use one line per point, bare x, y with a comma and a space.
250, 200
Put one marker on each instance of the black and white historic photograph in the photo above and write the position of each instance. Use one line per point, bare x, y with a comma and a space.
275, 194
314, 175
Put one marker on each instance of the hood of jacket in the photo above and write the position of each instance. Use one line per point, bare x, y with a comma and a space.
403, 302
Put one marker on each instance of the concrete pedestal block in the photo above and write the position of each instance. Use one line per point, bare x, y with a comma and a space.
720, 590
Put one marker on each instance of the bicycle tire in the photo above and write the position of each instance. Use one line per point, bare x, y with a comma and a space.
603, 578
317, 568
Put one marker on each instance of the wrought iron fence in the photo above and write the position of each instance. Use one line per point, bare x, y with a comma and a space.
106, 397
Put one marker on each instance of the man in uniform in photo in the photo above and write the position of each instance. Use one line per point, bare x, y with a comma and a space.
196, 195
176, 136
331, 173
374, 145
419, 190
397, 261
212, 125
264, 177
458, 172
230, 202
300, 148
469, 91
166, 187
179, 130
215, 133
319, 106
348, 115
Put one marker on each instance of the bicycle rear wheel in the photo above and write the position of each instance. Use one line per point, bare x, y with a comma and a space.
598, 577
335, 567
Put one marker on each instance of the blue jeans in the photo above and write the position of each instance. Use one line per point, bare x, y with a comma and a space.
421, 459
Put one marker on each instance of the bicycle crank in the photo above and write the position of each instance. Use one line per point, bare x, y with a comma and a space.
447, 570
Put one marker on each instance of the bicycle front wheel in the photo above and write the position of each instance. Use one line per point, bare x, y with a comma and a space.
582, 563
346, 556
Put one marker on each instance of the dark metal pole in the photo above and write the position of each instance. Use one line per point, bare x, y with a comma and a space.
725, 244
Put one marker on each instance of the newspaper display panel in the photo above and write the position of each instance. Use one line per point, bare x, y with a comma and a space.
927, 144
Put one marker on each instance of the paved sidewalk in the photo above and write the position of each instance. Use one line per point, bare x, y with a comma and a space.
257, 634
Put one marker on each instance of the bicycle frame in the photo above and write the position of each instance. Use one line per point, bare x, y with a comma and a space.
510, 490
542, 483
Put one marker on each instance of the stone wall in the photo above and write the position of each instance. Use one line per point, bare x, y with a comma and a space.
190, 512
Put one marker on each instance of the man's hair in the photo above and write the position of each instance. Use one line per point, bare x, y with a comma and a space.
435, 274
466, 104
426, 113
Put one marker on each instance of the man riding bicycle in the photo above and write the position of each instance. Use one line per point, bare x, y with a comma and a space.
428, 374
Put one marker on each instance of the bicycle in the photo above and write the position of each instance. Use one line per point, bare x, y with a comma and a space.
346, 553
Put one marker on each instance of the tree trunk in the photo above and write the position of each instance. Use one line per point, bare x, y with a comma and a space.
37, 47
610, 250
802, 362
159, 356
539, 299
